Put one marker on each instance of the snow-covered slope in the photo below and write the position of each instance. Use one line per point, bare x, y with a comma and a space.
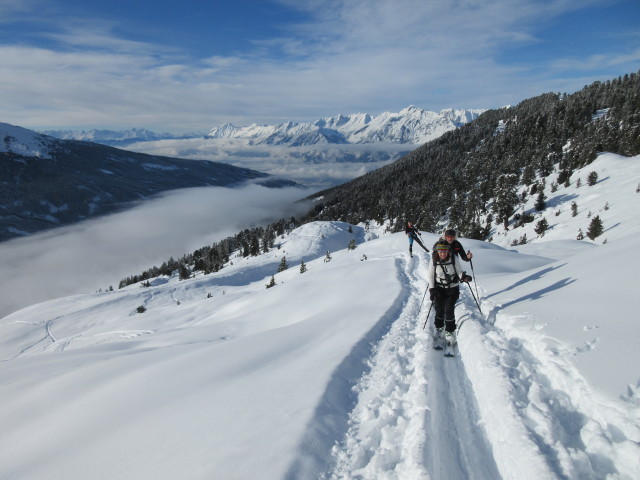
21, 141
615, 198
330, 371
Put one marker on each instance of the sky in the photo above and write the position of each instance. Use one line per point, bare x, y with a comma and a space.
117, 64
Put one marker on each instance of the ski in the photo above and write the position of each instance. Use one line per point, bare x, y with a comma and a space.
448, 350
438, 340
449, 345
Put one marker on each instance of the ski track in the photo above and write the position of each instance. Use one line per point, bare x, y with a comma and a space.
416, 415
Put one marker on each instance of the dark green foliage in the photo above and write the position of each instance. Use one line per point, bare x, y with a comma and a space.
541, 201
592, 179
596, 228
541, 226
283, 265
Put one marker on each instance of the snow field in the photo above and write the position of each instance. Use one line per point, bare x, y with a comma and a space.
329, 374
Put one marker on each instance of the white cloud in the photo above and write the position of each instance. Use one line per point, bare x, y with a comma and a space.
355, 55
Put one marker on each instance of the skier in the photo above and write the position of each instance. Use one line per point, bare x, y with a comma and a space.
444, 275
451, 237
413, 233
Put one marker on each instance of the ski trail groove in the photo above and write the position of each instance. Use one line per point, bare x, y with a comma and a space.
416, 415
330, 419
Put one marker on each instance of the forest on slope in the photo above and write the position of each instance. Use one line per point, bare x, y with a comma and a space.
466, 179
471, 174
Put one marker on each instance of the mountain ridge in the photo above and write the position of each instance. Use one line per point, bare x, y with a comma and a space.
48, 182
412, 125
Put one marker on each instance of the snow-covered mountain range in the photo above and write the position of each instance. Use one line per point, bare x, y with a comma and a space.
330, 375
48, 182
113, 138
411, 125
317, 154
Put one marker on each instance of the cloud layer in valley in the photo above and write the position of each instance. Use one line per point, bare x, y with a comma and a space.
98, 253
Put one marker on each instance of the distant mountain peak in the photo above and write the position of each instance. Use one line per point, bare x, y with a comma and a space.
412, 125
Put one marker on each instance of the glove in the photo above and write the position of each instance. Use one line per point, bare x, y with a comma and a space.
433, 294
467, 278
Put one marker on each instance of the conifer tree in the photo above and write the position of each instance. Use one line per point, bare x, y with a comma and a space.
303, 267
283, 265
596, 228
541, 201
541, 227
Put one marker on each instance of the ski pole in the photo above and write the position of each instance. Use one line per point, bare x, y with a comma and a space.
423, 297
476, 300
474, 277
427, 319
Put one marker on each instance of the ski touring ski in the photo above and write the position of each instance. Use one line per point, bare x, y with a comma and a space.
438, 339
449, 344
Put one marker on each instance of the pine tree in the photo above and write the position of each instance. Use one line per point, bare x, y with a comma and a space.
303, 267
352, 244
541, 227
272, 283
595, 228
541, 201
592, 179
283, 265
574, 209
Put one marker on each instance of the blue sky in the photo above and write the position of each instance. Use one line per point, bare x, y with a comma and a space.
188, 66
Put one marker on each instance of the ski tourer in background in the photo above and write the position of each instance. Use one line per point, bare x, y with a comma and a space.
412, 232
451, 237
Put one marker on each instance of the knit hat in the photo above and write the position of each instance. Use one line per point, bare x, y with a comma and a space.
441, 246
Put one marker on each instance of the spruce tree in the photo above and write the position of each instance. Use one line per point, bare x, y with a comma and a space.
283, 265
541, 201
595, 228
541, 227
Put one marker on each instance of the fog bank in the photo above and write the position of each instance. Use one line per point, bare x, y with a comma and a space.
99, 252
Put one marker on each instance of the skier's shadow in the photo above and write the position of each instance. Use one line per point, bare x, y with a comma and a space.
534, 276
531, 296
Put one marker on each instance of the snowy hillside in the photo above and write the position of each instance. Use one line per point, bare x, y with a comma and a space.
329, 374
614, 197
21, 141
